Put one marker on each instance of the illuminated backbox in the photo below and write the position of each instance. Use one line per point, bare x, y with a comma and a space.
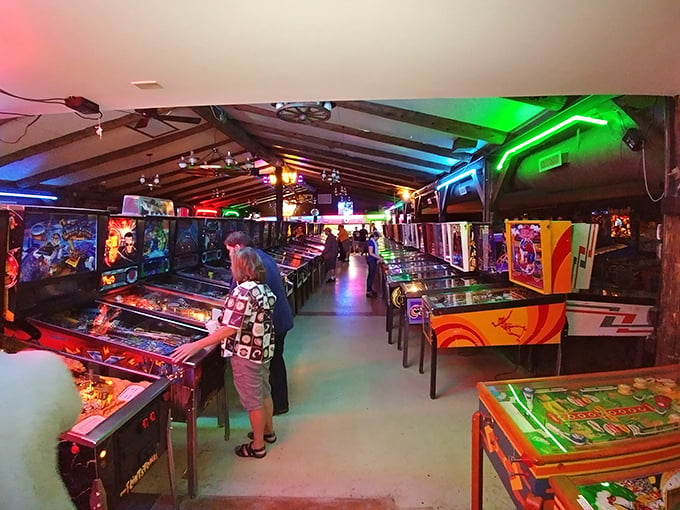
539, 254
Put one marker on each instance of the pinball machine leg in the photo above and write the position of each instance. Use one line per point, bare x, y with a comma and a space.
171, 462
421, 360
400, 327
404, 344
192, 473
390, 321
225, 408
433, 367
477, 464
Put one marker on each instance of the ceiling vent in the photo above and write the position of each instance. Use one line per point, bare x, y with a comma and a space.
552, 161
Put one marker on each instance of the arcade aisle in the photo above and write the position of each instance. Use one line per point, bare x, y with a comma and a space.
360, 426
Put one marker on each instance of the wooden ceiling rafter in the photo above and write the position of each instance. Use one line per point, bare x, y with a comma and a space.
453, 127
62, 141
312, 173
358, 133
359, 166
146, 166
101, 159
353, 162
219, 118
359, 149
235, 183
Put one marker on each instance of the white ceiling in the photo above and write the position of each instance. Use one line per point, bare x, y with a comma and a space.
259, 51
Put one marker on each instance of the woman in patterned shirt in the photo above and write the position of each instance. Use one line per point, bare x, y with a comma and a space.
246, 334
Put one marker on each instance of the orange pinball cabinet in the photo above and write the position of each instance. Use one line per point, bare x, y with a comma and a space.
571, 426
482, 317
647, 488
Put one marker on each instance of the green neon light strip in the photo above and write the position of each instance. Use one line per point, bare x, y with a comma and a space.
547, 133
536, 420
228, 212
376, 216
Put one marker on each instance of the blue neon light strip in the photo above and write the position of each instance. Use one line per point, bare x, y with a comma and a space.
27, 195
456, 178
544, 134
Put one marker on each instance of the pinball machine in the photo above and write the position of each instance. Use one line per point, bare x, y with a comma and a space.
576, 432
654, 487
54, 256
530, 310
63, 257
122, 430
412, 292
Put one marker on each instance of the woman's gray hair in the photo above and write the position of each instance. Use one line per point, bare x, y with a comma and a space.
246, 266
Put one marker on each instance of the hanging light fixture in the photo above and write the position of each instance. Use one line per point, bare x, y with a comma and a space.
216, 160
152, 183
332, 177
304, 112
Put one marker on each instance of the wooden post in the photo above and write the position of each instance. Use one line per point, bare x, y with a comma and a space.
668, 331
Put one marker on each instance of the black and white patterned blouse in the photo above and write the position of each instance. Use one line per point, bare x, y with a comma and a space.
248, 308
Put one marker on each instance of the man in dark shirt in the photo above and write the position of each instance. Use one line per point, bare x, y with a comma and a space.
282, 318
363, 237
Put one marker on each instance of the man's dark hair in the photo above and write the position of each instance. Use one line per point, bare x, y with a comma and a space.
240, 238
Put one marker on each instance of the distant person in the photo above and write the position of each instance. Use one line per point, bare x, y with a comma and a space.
363, 238
343, 243
283, 319
39, 401
246, 334
355, 240
330, 254
373, 257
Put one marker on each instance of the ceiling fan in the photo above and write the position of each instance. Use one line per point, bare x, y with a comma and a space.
155, 113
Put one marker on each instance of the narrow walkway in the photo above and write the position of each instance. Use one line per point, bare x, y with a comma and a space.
360, 425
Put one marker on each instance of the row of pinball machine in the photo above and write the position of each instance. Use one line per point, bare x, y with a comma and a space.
114, 295
600, 440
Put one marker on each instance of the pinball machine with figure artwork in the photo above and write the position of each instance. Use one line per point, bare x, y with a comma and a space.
68, 260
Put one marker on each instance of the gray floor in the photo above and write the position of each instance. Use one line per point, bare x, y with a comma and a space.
360, 425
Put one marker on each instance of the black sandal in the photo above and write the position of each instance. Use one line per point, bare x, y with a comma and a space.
268, 438
247, 450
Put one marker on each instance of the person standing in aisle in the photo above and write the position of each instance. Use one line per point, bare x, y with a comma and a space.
343, 243
283, 319
373, 257
355, 241
246, 332
363, 238
330, 254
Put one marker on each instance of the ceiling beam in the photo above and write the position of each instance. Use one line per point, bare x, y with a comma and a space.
427, 148
553, 103
371, 167
62, 141
360, 149
219, 118
36, 179
453, 127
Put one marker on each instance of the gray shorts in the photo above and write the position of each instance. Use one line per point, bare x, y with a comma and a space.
251, 381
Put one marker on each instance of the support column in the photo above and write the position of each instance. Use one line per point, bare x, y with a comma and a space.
668, 331
279, 193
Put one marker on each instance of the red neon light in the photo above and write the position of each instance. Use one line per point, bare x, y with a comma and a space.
206, 211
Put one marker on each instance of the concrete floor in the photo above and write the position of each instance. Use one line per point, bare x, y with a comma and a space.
359, 426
